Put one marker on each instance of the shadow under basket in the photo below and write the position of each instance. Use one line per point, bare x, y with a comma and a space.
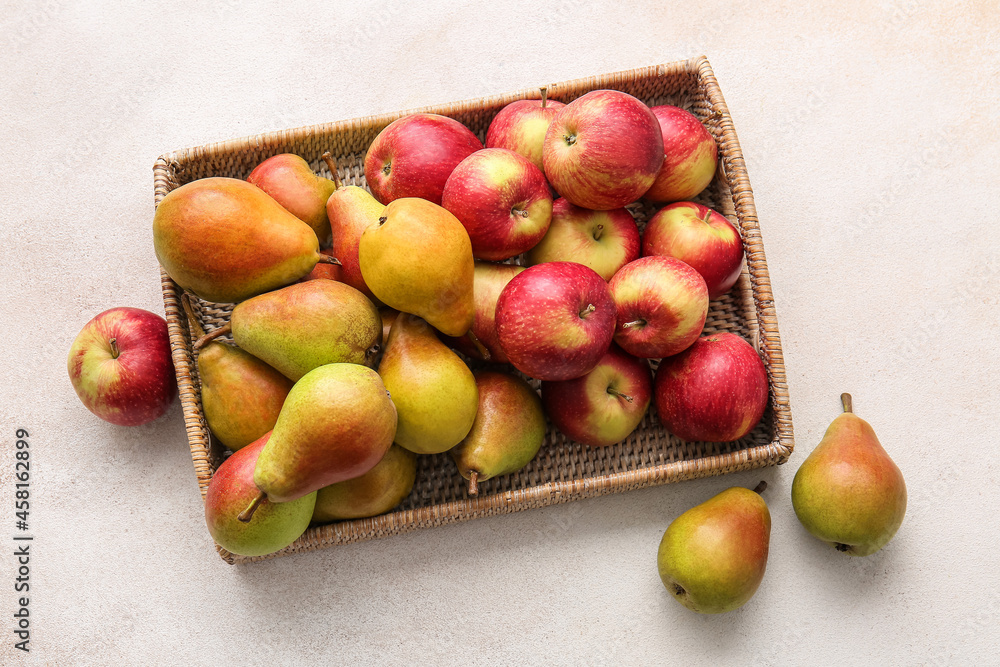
563, 470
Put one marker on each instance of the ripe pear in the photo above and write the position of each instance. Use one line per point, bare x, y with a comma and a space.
226, 240
307, 325
276, 525
848, 492
337, 423
432, 388
290, 180
241, 396
351, 211
712, 557
508, 431
376, 492
418, 260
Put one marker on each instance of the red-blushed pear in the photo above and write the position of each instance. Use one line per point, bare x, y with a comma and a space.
376, 492
227, 240
661, 304
716, 390
690, 158
555, 320
489, 280
602, 240
699, 237
712, 557
241, 396
521, 126
351, 210
849, 492
603, 150
291, 182
508, 431
502, 199
325, 271
121, 368
414, 156
337, 423
605, 405
275, 525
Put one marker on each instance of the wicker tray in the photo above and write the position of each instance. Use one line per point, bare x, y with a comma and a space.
563, 470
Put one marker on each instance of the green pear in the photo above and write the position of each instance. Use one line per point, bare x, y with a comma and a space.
226, 240
291, 182
432, 388
306, 325
376, 492
276, 525
712, 557
848, 492
508, 431
351, 211
241, 396
337, 423
418, 260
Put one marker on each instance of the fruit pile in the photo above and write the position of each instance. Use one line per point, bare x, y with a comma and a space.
460, 257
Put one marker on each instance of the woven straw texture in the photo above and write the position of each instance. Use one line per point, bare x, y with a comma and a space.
563, 470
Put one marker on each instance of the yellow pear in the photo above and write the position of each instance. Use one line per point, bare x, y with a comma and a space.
418, 260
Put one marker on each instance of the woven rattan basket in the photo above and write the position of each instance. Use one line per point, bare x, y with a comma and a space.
563, 470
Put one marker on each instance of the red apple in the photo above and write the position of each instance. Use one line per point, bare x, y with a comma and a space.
700, 237
603, 150
691, 156
715, 391
120, 366
502, 199
414, 156
488, 281
274, 525
661, 305
521, 126
605, 405
291, 182
555, 321
603, 240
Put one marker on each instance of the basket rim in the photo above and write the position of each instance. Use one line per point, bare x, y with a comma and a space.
767, 339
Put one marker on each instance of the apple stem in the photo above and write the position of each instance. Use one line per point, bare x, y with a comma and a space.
332, 164
615, 392
196, 329
247, 514
478, 344
708, 215
473, 483
848, 403
114, 348
545, 95
326, 259
599, 232
588, 310
760, 487
634, 323
209, 337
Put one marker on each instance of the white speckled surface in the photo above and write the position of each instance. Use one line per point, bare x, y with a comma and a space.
870, 133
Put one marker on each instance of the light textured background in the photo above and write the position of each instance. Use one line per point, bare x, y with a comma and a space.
870, 133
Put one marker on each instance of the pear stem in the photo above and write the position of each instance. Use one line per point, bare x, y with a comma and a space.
473, 483
545, 95
760, 487
209, 337
599, 232
634, 323
332, 164
478, 344
848, 403
588, 310
114, 348
326, 259
196, 329
247, 514
615, 392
